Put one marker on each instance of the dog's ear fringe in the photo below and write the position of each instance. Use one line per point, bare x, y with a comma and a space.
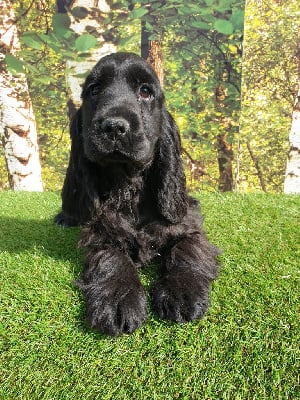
76, 125
76, 202
171, 190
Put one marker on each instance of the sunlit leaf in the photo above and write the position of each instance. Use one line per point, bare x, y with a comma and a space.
138, 12
223, 26
31, 39
85, 42
14, 65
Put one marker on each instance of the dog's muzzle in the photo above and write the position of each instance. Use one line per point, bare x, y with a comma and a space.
114, 128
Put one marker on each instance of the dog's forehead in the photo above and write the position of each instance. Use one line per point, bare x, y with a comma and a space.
123, 65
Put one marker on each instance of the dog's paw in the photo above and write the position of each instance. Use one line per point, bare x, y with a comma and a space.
63, 220
115, 309
180, 298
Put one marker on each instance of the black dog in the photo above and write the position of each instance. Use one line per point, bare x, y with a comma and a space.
125, 183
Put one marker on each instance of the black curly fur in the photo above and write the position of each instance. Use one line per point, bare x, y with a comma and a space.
125, 184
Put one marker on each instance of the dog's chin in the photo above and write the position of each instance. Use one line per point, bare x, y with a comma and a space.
121, 159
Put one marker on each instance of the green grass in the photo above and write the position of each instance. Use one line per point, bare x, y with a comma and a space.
247, 346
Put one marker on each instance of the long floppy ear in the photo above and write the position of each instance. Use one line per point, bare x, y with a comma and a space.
76, 127
73, 194
76, 146
170, 179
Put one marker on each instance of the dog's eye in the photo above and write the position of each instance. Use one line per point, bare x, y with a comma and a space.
94, 90
145, 92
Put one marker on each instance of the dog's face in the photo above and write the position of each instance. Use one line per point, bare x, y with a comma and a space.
121, 111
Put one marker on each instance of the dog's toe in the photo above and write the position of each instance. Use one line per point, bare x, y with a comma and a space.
180, 299
117, 312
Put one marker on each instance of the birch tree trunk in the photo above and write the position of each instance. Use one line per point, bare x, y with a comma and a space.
292, 175
17, 123
91, 23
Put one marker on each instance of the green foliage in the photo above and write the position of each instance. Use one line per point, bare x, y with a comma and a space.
224, 26
138, 13
61, 24
32, 40
202, 51
14, 64
269, 90
246, 347
225, 17
45, 70
61, 39
85, 42
202, 48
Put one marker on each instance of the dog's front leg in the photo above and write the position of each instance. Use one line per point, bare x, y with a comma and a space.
115, 298
188, 267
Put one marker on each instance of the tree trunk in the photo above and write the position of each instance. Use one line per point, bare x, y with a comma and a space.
257, 166
224, 149
17, 123
92, 23
151, 51
225, 157
292, 175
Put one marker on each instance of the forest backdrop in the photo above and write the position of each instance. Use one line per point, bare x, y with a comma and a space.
199, 46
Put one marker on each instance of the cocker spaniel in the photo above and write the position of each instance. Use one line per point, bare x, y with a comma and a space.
126, 186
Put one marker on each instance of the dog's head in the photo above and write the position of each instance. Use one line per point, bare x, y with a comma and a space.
121, 110
123, 120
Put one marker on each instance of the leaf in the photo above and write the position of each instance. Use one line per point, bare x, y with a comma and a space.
55, 48
61, 24
237, 19
232, 48
14, 65
82, 75
32, 40
200, 25
224, 5
153, 37
85, 42
32, 68
149, 27
61, 21
79, 12
45, 80
133, 38
224, 26
185, 11
48, 38
138, 12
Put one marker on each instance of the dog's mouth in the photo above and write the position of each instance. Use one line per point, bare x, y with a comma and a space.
131, 149
117, 157
125, 161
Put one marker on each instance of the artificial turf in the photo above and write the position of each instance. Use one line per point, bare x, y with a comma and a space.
246, 347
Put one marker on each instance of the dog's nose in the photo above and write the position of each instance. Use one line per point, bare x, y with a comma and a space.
115, 127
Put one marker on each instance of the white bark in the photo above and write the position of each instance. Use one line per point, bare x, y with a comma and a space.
82, 67
17, 122
292, 176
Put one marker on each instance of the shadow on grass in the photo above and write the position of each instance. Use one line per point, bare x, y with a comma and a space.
17, 235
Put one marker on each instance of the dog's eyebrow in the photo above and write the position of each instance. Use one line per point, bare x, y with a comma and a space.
101, 76
140, 74
106, 73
